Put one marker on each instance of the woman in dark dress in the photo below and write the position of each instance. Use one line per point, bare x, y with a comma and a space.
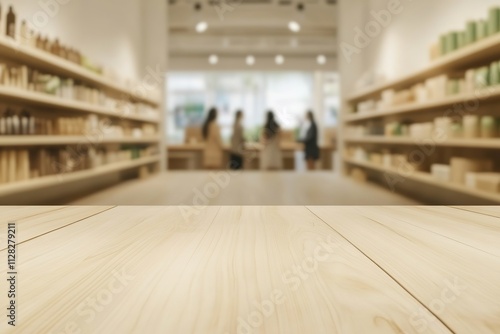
310, 141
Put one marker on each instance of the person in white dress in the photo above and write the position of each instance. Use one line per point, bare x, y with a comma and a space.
270, 155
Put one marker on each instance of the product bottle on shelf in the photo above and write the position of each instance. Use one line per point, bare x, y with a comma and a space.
11, 23
25, 119
24, 33
16, 124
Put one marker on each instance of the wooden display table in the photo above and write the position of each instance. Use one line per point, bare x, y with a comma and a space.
190, 156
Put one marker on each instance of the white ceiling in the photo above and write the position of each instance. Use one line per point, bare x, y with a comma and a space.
259, 27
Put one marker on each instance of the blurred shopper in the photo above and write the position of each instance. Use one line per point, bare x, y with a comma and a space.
310, 140
213, 152
270, 156
237, 142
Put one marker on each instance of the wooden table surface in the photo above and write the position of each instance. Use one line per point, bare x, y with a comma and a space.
285, 146
254, 270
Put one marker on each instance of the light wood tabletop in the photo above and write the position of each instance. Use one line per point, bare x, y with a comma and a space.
254, 269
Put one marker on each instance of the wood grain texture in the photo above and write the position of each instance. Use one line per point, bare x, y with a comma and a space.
69, 278
493, 211
206, 274
245, 188
46, 221
458, 282
254, 253
12, 213
267, 270
461, 225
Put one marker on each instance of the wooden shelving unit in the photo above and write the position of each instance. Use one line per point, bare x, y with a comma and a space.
477, 143
426, 178
486, 96
34, 99
69, 140
64, 179
12, 50
475, 54
479, 54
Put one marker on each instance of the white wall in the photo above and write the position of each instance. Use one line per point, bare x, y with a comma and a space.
403, 46
109, 32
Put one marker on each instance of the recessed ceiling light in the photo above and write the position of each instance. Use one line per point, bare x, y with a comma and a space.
279, 59
294, 26
321, 60
201, 26
250, 60
213, 59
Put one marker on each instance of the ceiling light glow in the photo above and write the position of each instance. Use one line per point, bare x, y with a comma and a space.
321, 60
294, 26
213, 59
201, 26
279, 59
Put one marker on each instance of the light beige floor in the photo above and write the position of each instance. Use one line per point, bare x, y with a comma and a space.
269, 270
245, 188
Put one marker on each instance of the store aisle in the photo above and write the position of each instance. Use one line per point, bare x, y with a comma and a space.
245, 188
272, 270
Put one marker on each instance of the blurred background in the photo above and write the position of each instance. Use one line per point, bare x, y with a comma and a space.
294, 102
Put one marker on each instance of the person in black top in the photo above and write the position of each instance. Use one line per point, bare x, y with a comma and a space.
310, 141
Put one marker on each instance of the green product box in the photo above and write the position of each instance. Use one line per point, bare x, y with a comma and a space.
494, 74
494, 21
452, 41
461, 40
482, 77
470, 33
481, 29
452, 88
443, 45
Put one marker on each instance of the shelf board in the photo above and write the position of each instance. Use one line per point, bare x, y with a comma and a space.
428, 179
488, 95
36, 99
45, 61
481, 51
493, 143
57, 180
27, 140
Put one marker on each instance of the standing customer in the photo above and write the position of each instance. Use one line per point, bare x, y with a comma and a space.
237, 143
310, 141
270, 156
213, 152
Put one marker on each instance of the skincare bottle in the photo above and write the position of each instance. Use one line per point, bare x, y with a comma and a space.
488, 127
32, 125
471, 126
16, 124
25, 117
3, 125
11, 23
11, 176
8, 122
4, 166
24, 32
39, 42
